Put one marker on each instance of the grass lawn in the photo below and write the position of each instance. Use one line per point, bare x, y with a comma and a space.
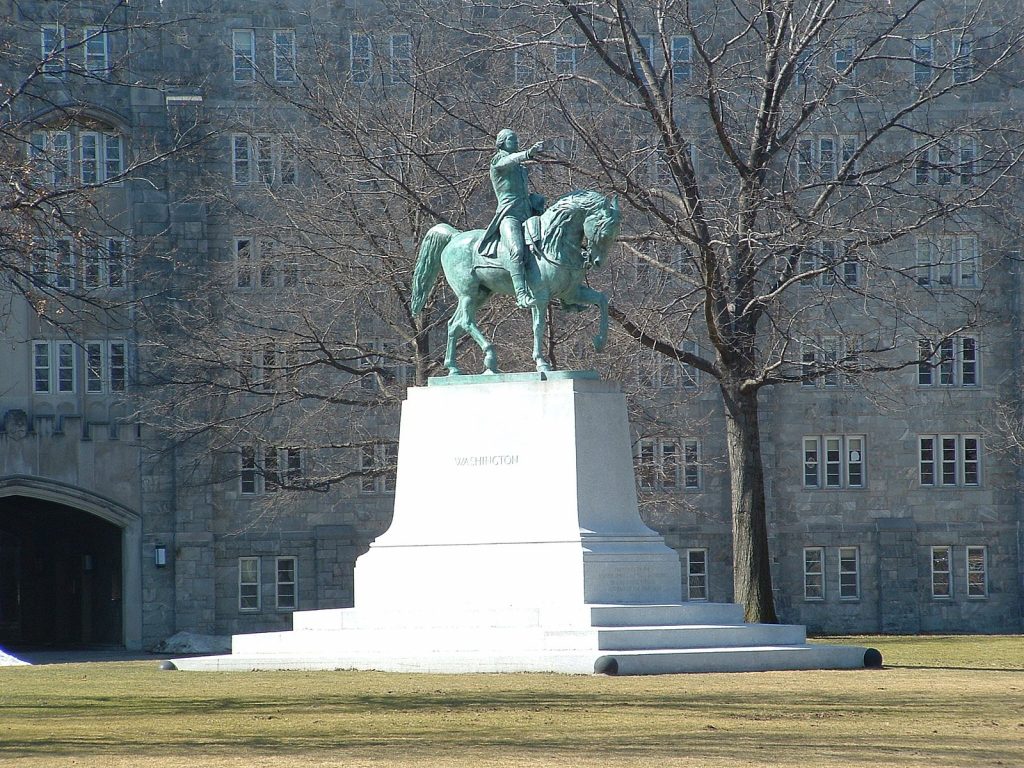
939, 701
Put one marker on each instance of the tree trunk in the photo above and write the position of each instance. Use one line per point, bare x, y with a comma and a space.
752, 577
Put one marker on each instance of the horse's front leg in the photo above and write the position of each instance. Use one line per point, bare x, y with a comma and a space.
540, 319
586, 295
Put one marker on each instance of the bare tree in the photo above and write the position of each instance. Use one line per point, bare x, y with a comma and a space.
815, 184
67, 162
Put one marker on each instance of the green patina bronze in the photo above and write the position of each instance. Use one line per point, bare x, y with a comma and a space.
573, 235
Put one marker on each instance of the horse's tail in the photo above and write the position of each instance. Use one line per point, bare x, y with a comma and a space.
429, 264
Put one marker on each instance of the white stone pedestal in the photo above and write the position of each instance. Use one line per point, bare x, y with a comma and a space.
517, 545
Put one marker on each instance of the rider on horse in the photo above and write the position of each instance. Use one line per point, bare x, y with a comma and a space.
515, 205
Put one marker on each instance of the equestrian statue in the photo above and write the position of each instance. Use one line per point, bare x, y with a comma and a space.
535, 254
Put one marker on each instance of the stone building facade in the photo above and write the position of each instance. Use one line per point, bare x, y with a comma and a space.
897, 519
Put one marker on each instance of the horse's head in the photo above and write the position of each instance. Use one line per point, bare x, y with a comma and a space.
601, 227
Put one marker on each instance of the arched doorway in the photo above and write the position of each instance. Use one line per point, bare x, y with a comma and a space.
68, 560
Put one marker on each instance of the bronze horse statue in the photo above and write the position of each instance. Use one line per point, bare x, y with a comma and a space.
571, 236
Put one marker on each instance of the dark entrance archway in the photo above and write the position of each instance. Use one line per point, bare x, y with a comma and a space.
61, 575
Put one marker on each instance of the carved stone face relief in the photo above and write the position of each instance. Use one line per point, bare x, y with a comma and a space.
16, 424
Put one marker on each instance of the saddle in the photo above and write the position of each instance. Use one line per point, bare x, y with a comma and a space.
532, 234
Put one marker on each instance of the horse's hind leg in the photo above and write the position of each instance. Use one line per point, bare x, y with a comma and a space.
455, 332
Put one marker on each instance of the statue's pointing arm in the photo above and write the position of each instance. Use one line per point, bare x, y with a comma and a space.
515, 158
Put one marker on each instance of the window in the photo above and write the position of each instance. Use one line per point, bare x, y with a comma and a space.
106, 264
53, 50
656, 371
977, 572
645, 51
522, 66
963, 59
947, 161
822, 360
921, 54
696, 574
243, 55
952, 362
287, 582
266, 469
55, 264
825, 158
378, 463
828, 262
803, 74
949, 460
248, 584
942, 582
360, 58
284, 55
263, 158
387, 366
834, 461
842, 59
814, 573
53, 367
261, 263
947, 261
565, 59
849, 573
682, 59
668, 464
95, 48
99, 157
106, 367
401, 58
50, 156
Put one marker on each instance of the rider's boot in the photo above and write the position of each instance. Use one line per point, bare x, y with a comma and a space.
523, 297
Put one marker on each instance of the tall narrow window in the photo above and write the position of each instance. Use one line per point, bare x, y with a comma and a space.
63, 263
565, 59
241, 159
522, 66
963, 59
805, 161
682, 59
116, 262
360, 58
927, 460
696, 574
921, 53
248, 584
41, 382
89, 157
977, 572
942, 582
812, 463
247, 471
849, 573
814, 573
53, 50
94, 45
271, 470
243, 50
59, 160
645, 52
842, 59
284, 55
401, 58
967, 166
243, 262
287, 583
113, 156
827, 157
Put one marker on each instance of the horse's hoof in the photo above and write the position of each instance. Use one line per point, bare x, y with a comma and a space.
454, 372
489, 372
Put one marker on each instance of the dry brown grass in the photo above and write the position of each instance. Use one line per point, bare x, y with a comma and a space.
938, 702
